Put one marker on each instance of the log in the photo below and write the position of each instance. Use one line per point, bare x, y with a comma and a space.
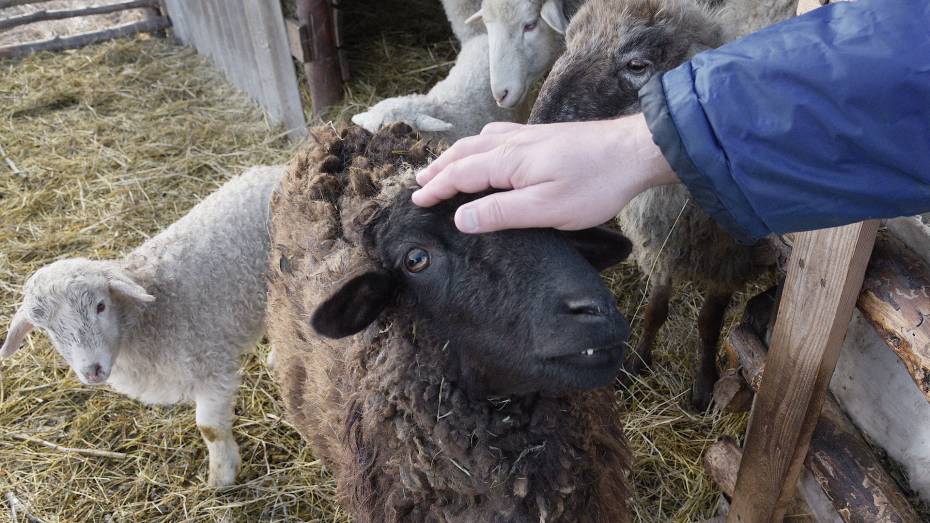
895, 299
876, 392
85, 39
319, 42
43, 15
721, 462
840, 460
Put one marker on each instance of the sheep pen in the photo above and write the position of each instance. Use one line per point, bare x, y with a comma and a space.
114, 142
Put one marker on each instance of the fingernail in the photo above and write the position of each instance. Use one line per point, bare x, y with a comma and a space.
469, 221
421, 175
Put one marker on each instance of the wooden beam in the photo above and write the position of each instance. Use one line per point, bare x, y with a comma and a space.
84, 39
295, 41
721, 462
43, 15
322, 69
824, 278
839, 459
895, 298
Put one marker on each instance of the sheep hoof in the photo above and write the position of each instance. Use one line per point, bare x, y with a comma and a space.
223, 474
700, 398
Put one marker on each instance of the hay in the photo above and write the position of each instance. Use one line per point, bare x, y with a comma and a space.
116, 141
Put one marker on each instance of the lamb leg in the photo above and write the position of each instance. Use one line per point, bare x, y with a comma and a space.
656, 313
710, 321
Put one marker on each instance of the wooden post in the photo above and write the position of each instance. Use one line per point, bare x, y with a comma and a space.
825, 274
318, 38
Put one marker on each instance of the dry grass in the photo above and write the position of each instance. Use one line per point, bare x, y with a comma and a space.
116, 141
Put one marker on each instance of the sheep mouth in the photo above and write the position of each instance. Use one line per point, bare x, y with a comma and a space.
590, 357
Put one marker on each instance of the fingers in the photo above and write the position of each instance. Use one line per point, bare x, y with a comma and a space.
517, 209
471, 174
500, 127
460, 149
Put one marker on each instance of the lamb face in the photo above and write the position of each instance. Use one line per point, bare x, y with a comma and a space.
79, 303
613, 48
520, 311
524, 38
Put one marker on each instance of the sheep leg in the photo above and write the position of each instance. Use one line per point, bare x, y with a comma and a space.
710, 321
656, 314
215, 419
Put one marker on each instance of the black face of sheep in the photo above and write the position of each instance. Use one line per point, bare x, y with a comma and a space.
613, 47
520, 311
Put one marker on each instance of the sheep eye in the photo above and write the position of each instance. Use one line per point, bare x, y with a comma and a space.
637, 66
101, 307
417, 260
530, 26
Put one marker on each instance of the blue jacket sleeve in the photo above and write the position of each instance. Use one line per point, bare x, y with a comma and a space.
818, 121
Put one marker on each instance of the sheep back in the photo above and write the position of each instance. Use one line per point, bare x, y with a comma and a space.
404, 442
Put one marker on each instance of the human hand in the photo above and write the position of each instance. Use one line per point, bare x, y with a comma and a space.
564, 175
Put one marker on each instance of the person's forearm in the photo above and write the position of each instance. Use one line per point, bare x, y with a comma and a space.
819, 121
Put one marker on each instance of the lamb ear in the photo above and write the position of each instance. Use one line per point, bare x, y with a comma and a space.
602, 247
19, 328
122, 284
475, 17
553, 15
355, 305
427, 123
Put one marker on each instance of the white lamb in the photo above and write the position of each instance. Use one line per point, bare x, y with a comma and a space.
459, 105
525, 37
167, 323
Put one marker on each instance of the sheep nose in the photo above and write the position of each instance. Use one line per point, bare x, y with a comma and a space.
95, 373
587, 308
501, 97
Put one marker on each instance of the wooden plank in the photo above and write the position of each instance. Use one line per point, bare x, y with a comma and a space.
294, 40
839, 459
895, 298
281, 98
323, 73
44, 15
824, 278
247, 40
721, 462
84, 39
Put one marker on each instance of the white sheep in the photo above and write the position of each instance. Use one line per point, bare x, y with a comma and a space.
524, 40
459, 105
167, 323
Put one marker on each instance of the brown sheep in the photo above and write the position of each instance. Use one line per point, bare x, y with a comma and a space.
465, 398
613, 48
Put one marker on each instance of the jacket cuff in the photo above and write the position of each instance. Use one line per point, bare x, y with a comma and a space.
665, 134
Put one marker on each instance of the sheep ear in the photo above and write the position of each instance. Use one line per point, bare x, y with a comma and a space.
553, 15
475, 17
355, 305
602, 247
123, 285
19, 328
427, 123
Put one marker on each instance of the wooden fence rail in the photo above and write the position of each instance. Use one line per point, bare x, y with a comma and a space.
43, 15
81, 40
